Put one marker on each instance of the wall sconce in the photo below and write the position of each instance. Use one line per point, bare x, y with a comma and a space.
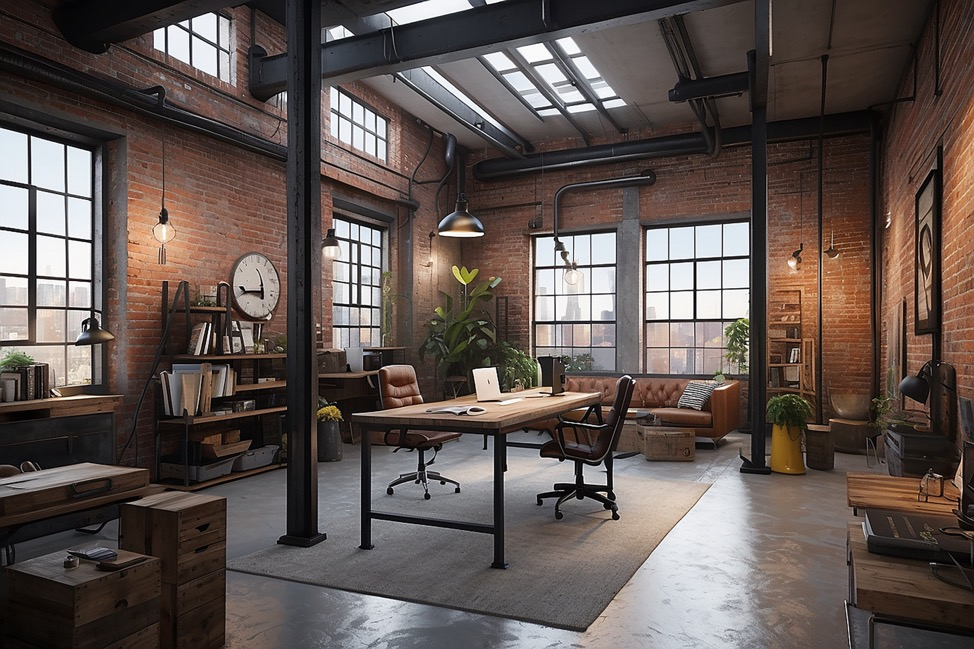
163, 231
92, 333
795, 261
330, 248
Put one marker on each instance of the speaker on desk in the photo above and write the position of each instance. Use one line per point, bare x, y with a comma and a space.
552, 373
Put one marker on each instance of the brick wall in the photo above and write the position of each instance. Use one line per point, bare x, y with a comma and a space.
914, 131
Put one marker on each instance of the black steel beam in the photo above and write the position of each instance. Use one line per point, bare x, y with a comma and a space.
303, 268
723, 86
93, 25
469, 34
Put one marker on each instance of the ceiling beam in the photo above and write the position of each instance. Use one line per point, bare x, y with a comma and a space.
93, 25
463, 35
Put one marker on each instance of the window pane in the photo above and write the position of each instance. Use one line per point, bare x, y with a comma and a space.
13, 162
657, 245
681, 276
47, 164
708, 274
205, 26
79, 218
51, 292
79, 294
50, 213
737, 240
681, 243
681, 305
708, 240
179, 43
79, 260
13, 291
204, 57
603, 280
737, 273
14, 257
51, 257
658, 277
736, 303
604, 248
544, 251
51, 325
79, 172
657, 306
708, 304
14, 324
13, 205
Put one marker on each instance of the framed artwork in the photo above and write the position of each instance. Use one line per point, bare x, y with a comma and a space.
927, 261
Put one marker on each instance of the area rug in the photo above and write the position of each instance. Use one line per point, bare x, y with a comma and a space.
562, 573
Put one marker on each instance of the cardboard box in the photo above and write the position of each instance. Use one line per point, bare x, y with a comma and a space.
331, 361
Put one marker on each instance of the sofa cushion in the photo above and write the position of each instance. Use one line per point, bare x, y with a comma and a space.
696, 394
684, 417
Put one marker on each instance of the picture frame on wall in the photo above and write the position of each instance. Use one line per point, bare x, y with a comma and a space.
927, 255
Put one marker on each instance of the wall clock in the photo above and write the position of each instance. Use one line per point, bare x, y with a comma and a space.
255, 285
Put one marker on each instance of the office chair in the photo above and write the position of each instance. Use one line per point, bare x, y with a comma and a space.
594, 444
399, 387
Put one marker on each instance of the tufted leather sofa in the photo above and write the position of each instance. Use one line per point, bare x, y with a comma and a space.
659, 396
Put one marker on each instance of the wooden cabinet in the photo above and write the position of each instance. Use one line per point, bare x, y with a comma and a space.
58, 432
251, 409
791, 353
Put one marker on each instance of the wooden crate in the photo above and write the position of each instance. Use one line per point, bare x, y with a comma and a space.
50, 489
147, 638
629, 440
667, 444
194, 614
84, 607
187, 531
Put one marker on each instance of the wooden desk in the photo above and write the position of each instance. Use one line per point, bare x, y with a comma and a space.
352, 391
904, 591
878, 491
498, 421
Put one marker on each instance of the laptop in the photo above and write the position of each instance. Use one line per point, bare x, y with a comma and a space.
487, 385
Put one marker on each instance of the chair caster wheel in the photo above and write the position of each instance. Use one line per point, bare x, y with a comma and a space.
389, 491
615, 516
559, 516
457, 490
426, 496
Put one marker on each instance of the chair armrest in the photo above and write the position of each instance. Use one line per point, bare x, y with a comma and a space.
725, 404
587, 428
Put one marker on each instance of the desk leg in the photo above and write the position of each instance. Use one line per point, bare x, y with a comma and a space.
500, 460
365, 438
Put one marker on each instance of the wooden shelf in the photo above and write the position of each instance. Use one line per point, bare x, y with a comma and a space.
230, 477
198, 420
216, 358
250, 387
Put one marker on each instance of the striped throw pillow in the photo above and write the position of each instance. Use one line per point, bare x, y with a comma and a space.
696, 394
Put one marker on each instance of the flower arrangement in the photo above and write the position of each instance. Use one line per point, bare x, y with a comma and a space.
329, 413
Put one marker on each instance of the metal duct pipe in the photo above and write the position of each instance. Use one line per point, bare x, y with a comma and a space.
646, 177
683, 144
24, 64
670, 145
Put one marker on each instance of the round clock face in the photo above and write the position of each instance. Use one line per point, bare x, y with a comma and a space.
256, 286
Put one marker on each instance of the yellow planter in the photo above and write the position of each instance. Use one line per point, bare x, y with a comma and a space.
786, 450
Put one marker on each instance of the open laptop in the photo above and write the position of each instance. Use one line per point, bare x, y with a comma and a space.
487, 385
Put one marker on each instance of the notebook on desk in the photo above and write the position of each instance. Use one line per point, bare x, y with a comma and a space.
914, 535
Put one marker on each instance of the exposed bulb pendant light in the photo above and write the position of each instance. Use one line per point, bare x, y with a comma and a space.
572, 274
832, 252
795, 261
163, 231
460, 222
330, 248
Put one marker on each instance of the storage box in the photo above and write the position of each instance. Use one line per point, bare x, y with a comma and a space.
217, 451
197, 472
912, 453
668, 444
49, 489
331, 361
256, 458
84, 607
628, 440
194, 614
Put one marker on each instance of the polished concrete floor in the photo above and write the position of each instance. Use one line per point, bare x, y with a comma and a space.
759, 562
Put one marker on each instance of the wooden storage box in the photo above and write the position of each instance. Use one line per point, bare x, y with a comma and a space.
668, 444
187, 531
629, 440
194, 614
28, 493
49, 605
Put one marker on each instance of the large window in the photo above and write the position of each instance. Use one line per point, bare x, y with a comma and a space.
47, 234
354, 123
697, 282
203, 42
357, 303
576, 320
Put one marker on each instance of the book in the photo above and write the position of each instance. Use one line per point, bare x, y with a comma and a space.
199, 339
914, 535
459, 410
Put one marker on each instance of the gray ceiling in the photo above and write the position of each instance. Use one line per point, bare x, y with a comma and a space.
868, 43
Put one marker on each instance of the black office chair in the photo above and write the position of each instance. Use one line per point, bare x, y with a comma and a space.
593, 445
399, 387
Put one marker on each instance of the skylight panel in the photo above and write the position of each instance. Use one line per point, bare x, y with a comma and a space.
613, 103
569, 45
581, 108
426, 10
570, 95
499, 61
440, 79
535, 53
550, 73
520, 82
585, 67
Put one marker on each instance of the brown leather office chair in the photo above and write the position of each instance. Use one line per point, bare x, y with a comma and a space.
399, 387
593, 445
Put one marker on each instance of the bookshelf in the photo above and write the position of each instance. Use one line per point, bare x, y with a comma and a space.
791, 355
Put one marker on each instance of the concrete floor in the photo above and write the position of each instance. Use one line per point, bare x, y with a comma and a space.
759, 562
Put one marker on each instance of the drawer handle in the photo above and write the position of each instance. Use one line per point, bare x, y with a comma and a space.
203, 527
122, 603
82, 490
202, 549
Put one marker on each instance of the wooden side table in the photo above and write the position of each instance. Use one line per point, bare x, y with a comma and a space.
878, 491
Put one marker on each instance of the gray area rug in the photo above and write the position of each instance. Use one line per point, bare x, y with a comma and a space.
562, 573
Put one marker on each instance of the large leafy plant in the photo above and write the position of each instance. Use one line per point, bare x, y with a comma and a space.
460, 333
738, 335
789, 410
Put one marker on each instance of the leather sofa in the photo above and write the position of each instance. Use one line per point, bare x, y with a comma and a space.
659, 396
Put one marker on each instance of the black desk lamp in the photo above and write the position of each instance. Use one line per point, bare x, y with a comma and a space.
918, 387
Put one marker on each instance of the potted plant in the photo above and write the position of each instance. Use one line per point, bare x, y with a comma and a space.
460, 333
329, 435
738, 335
15, 360
788, 413
515, 366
